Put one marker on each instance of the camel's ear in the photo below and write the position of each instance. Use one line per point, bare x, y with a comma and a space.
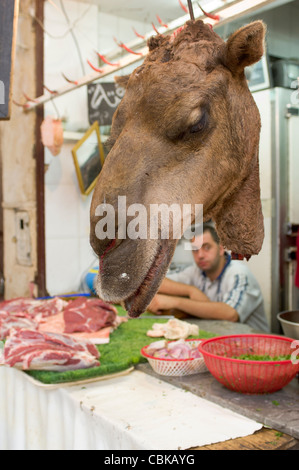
245, 46
122, 80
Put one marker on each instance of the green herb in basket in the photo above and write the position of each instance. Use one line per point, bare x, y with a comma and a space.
266, 357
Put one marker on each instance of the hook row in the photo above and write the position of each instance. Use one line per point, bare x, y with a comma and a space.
120, 44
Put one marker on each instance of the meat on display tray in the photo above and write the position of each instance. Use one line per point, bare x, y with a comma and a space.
121, 353
118, 356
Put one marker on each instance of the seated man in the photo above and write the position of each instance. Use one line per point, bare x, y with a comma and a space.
216, 288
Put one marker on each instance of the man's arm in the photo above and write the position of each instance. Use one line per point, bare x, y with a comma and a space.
207, 309
210, 310
179, 289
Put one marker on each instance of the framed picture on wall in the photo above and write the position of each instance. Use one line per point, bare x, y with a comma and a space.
258, 75
88, 155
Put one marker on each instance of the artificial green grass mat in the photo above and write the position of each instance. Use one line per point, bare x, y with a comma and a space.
122, 352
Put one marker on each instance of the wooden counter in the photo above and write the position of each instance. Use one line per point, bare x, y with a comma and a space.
265, 439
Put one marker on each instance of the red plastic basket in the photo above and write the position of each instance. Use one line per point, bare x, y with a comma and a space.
249, 376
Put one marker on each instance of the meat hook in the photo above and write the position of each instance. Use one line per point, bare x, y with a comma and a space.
24, 106
53, 92
121, 44
137, 34
94, 68
209, 15
161, 22
29, 99
155, 29
105, 60
183, 7
69, 81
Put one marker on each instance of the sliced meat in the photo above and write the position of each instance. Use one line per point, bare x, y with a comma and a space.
57, 361
179, 349
30, 349
173, 329
18, 305
88, 315
46, 308
9, 322
34, 308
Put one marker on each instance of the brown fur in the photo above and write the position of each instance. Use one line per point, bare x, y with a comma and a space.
156, 157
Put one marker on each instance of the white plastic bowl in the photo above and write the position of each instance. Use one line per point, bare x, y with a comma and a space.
176, 367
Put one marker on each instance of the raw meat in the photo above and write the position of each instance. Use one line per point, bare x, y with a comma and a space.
46, 308
19, 305
33, 350
10, 321
88, 315
175, 350
55, 324
33, 308
173, 329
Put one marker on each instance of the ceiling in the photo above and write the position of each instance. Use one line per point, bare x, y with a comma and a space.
142, 10
168, 10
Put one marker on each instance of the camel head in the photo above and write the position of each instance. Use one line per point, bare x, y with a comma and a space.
185, 133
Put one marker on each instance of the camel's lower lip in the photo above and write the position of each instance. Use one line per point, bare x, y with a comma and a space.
137, 303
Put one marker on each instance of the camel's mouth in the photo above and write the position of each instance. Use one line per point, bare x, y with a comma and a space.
137, 303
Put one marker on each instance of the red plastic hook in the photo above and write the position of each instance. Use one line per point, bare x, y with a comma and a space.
105, 60
53, 92
70, 81
209, 15
183, 7
161, 22
121, 44
24, 106
155, 29
137, 34
30, 99
94, 68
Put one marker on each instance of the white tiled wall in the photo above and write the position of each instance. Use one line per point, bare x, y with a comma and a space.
68, 252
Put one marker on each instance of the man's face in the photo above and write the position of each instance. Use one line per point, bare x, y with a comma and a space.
207, 253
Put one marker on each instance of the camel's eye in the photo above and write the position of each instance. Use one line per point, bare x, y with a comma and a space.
200, 125
182, 129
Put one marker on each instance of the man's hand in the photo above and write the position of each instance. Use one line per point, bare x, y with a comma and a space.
197, 308
162, 302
